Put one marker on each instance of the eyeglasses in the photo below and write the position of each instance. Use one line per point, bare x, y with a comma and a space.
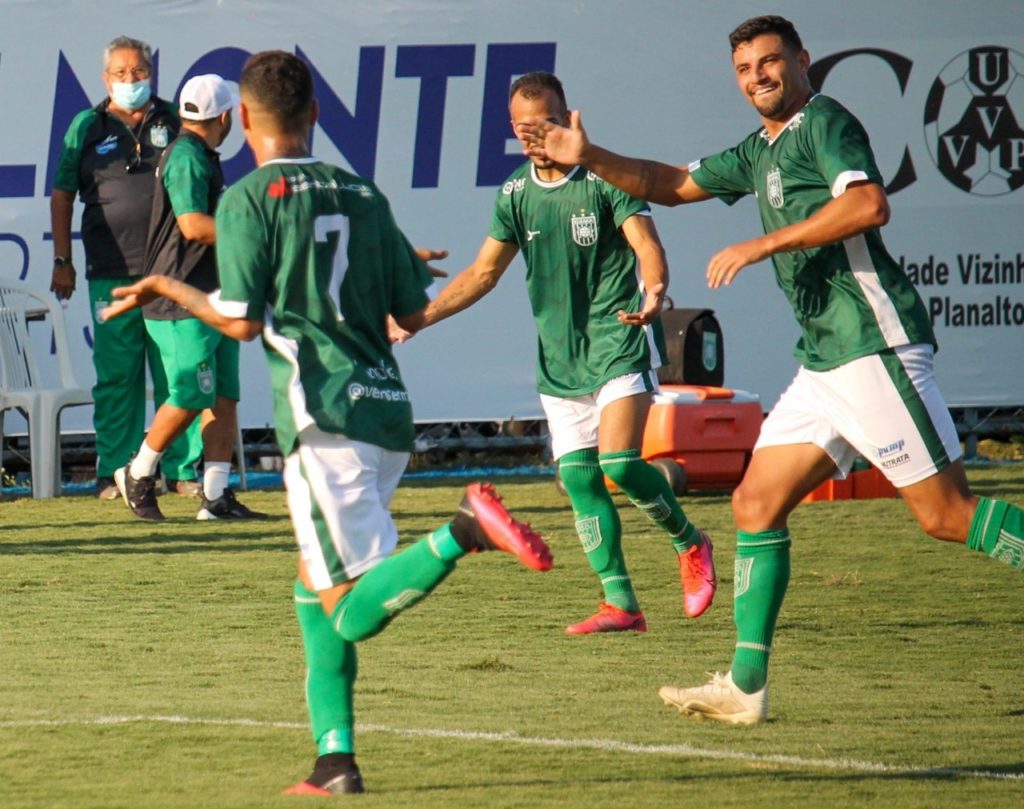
127, 73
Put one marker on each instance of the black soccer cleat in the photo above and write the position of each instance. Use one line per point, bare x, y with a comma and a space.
139, 494
333, 774
226, 507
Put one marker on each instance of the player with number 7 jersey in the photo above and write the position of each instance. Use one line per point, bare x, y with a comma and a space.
323, 300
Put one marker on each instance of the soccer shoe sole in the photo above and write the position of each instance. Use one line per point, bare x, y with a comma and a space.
506, 533
345, 784
687, 706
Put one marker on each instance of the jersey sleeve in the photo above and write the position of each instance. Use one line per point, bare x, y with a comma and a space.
243, 257
502, 225
842, 151
622, 204
186, 177
727, 175
67, 175
410, 276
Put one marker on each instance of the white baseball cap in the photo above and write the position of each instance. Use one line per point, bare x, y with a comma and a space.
206, 96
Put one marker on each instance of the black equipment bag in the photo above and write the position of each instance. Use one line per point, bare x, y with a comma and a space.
696, 352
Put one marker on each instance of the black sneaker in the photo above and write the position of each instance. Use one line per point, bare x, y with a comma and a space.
139, 494
333, 774
226, 507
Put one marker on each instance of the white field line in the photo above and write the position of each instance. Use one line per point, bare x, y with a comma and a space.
511, 737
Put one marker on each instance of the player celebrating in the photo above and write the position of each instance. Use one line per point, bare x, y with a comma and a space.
866, 385
310, 256
599, 339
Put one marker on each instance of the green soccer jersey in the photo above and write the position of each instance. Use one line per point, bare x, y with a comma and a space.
314, 252
851, 298
580, 271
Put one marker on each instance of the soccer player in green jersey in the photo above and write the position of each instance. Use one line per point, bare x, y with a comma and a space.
310, 257
866, 385
596, 277
201, 364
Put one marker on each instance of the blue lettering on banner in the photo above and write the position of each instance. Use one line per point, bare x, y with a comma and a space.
432, 65
353, 129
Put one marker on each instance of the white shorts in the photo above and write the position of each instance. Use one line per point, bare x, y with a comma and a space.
885, 407
338, 496
573, 423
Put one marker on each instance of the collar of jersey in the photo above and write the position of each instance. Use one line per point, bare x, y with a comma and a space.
291, 161
551, 183
796, 117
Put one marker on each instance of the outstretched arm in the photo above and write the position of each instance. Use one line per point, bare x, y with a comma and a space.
196, 302
861, 207
642, 236
646, 179
467, 287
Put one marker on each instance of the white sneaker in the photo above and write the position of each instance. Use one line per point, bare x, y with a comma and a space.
720, 700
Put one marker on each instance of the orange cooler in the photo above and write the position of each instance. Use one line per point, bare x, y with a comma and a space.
708, 431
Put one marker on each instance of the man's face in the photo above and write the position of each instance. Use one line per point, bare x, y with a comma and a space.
126, 65
771, 76
545, 107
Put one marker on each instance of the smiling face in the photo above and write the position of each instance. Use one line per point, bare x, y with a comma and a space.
772, 76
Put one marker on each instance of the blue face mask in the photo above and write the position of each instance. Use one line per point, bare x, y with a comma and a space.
130, 96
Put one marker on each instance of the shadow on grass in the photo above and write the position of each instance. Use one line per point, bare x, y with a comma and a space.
942, 774
229, 541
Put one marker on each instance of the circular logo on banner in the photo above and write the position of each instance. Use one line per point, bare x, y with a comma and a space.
972, 121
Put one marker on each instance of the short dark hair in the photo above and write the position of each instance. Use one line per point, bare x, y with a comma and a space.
280, 83
532, 85
767, 24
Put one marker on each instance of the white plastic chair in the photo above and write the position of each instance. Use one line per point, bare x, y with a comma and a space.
24, 388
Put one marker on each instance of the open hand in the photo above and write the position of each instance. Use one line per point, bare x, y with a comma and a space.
653, 302
560, 144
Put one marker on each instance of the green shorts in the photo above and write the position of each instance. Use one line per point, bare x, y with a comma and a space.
200, 362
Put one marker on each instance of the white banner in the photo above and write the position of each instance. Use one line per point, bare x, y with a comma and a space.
413, 95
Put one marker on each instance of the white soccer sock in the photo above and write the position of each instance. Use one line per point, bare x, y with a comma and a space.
145, 461
215, 478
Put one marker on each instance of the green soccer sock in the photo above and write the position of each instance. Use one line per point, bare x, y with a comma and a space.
598, 525
396, 584
761, 578
649, 491
998, 530
330, 676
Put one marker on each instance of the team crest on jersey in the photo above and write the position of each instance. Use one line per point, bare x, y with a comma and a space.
584, 228
775, 188
159, 136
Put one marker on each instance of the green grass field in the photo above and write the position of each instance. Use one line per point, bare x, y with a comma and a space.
161, 666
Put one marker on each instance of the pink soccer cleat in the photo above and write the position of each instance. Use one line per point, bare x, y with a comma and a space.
493, 528
697, 570
609, 618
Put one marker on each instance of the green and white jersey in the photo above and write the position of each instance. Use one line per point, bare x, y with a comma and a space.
851, 298
580, 271
314, 252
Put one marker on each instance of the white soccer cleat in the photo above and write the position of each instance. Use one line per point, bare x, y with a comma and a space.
720, 700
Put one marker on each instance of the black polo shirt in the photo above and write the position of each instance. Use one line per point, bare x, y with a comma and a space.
189, 180
98, 161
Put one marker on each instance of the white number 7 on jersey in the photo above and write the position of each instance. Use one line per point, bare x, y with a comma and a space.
323, 227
